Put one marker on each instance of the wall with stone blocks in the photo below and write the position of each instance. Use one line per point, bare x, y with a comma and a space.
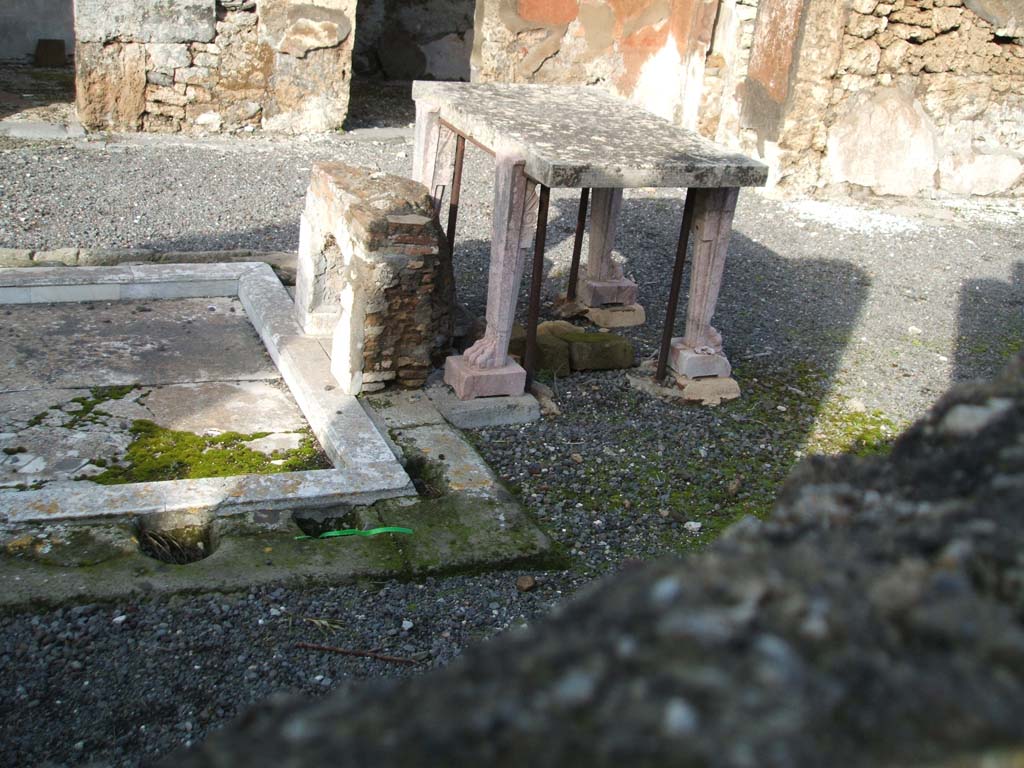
902, 98
375, 275
206, 66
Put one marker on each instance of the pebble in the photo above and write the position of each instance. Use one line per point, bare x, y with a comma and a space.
526, 583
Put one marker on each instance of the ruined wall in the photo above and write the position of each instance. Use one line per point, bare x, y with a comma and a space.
374, 274
650, 51
902, 98
414, 39
200, 65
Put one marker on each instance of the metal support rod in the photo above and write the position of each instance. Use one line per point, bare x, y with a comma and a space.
453, 199
677, 279
536, 278
577, 246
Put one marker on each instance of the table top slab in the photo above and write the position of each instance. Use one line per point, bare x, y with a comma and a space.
580, 136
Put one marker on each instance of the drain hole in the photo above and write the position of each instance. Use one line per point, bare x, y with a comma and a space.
319, 521
427, 476
177, 546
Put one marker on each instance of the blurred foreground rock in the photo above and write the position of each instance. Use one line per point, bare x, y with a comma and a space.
876, 619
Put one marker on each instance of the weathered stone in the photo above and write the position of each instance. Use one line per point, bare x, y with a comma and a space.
598, 351
209, 121
861, 58
388, 311
145, 21
709, 391
649, 151
167, 57
866, 26
981, 172
1005, 15
110, 85
552, 351
884, 141
297, 28
15, 257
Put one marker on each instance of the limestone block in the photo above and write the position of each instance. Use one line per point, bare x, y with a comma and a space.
884, 141
983, 172
14, 257
1006, 16
145, 21
861, 58
298, 28
599, 351
894, 56
167, 57
865, 26
194, 76
945, 19
310, 94
110, 85
552, 352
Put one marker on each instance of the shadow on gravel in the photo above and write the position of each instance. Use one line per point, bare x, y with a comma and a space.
624, 462
990, 325
273, 237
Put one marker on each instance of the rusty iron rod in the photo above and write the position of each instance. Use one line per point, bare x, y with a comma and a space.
348, 652
677, 279
577, 245
453, 200
536, 279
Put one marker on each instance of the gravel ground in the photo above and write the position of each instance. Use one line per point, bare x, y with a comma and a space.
844, 321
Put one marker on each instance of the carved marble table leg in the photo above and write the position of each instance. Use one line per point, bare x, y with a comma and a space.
486, 370
698, 352
433, 159
610, 296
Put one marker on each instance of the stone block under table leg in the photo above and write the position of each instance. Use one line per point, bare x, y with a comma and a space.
693, 364
469, 381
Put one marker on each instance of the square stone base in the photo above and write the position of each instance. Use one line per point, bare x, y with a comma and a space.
616, 316
469, 382
597, 293
684, 361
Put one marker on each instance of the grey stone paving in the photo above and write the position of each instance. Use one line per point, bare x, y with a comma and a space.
573, 136
120, 343
185, 355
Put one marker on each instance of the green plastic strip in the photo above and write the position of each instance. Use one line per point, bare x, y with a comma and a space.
357, 532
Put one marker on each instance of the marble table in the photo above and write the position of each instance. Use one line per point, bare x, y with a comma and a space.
545, 136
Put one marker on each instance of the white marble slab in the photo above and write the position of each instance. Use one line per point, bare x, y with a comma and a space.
579, 136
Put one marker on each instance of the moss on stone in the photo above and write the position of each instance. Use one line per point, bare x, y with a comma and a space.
157, 453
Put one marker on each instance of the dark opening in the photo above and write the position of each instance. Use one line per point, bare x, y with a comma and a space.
398, 41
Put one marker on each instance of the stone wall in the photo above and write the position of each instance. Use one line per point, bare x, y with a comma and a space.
201, 65
374, 274
414, 39
650, 51
901, 98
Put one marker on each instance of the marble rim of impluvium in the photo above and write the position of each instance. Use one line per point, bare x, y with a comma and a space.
365, 467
